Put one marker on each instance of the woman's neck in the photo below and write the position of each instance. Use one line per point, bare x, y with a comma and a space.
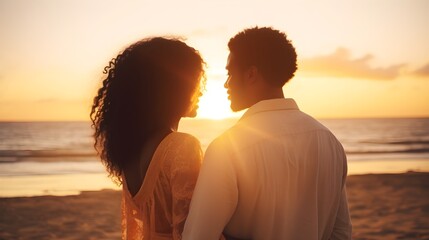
174, 125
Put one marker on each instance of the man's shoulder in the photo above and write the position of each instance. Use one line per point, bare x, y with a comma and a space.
225, 140
305, 122
225, 137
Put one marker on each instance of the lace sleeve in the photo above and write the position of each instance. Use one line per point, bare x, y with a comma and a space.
184, 174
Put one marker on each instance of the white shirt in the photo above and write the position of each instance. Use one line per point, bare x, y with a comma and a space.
277, 174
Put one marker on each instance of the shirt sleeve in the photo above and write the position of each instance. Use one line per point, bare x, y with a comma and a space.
343, 226
184, 174
215, 196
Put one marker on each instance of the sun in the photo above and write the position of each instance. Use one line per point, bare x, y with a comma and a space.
214, 103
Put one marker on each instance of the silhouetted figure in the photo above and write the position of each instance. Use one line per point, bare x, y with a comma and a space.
148, 88
278, 173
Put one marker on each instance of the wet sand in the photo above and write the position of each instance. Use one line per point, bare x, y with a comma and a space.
382, 206
389, 206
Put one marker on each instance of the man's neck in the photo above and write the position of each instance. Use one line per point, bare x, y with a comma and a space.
272, 94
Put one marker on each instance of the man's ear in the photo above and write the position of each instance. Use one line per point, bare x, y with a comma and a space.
252, 74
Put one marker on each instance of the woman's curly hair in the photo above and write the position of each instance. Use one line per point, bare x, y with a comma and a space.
148, 86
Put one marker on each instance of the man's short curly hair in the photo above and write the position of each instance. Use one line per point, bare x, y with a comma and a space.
267, 49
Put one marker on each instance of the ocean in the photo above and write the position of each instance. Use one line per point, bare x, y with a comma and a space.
57, 158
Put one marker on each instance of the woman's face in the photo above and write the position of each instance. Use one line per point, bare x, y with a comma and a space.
193, 106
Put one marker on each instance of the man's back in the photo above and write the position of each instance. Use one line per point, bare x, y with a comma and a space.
277, 174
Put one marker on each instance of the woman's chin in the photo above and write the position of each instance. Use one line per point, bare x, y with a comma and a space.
191, 114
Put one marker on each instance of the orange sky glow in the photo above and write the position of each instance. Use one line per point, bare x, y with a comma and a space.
356, 59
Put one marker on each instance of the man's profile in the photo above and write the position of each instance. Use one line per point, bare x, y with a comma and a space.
278, 173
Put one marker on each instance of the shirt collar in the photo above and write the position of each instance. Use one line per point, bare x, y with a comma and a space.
271, 105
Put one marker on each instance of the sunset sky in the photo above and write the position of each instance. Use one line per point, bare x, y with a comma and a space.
360, 59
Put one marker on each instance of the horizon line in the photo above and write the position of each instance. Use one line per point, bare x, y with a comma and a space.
222, 119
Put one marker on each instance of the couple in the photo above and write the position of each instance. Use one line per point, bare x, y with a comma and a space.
276, 174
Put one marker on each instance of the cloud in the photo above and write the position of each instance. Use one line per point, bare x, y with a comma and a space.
341, 64
423, 71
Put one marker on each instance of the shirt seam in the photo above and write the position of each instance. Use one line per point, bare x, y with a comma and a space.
283, 134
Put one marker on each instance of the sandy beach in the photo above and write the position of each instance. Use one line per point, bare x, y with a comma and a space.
382, 206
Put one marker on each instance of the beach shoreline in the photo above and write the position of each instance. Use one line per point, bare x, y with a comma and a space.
382, 206
70, 178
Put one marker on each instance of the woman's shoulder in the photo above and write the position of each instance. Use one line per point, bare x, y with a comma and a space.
182, 138
183, 150
180, 144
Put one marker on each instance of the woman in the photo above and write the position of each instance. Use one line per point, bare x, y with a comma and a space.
149, 87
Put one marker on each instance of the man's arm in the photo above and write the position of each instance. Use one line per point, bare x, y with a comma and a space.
343, 225
215, 195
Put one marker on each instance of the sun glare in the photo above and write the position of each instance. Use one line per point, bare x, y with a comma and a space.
214, 103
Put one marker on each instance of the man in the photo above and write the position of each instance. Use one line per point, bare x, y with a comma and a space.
278, 173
